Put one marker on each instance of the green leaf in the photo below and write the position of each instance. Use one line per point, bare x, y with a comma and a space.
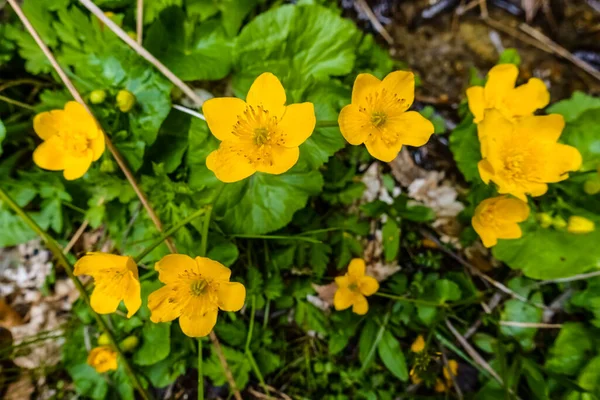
485, 342
510, 56
190, 50
165, 372
366, 340
548, 254
156, 343
171, 142
238, 363
572, 108
2, 135
590, 299
464, 145
589, 378
392, 356
570, 350
391, 239
123, 384
584, 134
153, 8
519, 311
535, 379
446, 290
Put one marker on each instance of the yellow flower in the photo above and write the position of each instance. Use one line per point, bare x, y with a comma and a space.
194, 291
103, 359
418, 345
71, 140
377, 115
501, 94
116, 279
522, 157
578, 224
440, 385
498, 217
353, 287
414, 378
260, 134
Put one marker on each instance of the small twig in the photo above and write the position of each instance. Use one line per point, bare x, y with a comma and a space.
140, 21
561, 51
374, 21
16, 103
23, 81
223, 360
189, 111
141, 51
76, 236
571, 278
492, 304
556, 305
484, 9
518, 35
462, 9
518, 324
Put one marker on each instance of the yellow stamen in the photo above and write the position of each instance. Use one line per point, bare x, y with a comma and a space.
198, 287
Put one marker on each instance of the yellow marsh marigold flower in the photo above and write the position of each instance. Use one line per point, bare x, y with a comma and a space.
378, 118
578, 224
498, 217
103, 359
522, 157
500, 94
353, 287
194, 291
418, 345
440, 385
71, 140
116, 279
259, 134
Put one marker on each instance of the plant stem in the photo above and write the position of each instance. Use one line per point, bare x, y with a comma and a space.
16, 103
170, 232
200, 371
54, 247
278, 237
205, 226
407, 300
326, 124
251, 359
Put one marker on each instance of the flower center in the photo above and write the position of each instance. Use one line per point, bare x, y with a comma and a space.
199, 287
261, 136
257, 126
353, 287
378, 118
514, 165
75, 142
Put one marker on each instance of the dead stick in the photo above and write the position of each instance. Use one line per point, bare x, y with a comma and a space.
228, 374
140, 21
519, 324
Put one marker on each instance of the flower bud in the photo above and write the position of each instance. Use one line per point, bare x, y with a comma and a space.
592, 186
129, 343
544, 219
132, 35
97, 96
108, 165
125, 100
579, 224
103, 339
559, 222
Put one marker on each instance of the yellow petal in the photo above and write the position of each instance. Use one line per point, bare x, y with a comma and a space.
297, 124
501, 81
364, 84
282, 159
354, 125
228, 162
132, 295
48, 124
417, 346
80, 118
356, 268
212, 269
476, 98
559, 160
166, 303
76, 167
104, 301
94, 264
343, 298
50, 155
508, 231
402, 84
513, 210
527, 98
232, 296
487, 235
493, 129
342, 281
414, 129
98, 146
440, 386
580, 225
368, 285
267, 92
222, 114
171, 267
544, 127
381, 151
361, 305
486, 171
198, 325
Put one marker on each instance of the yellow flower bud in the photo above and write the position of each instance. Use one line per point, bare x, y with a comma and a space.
125, 100
97, 96
103, 339
129, 343
544, 219
418, 345
580, 225
559, 222
592, 186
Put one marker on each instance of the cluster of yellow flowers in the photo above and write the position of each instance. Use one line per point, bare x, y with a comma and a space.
422, 361
520, 152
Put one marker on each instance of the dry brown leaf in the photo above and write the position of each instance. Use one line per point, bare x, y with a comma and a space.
22, 389
8, 316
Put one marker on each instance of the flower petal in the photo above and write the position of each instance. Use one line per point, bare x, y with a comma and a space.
94, 264
476, 98
343, 298
267, 91
543, 127
368, 285
363, 85
232, 296
97, 146
76, 167
132, 295
493, 128
297, 124
104, 301
50, 155
172, 267
198, 325
487, 235
354, 125
361, 305
527, 98
167, 303
48, 124
229, 163
342, 281
212, 269
381, 151
513, 210
222, 114
80, 119
501, 81
413, 128
558, 160
356, 268
508, 231
486, 171
282, 159
402, 84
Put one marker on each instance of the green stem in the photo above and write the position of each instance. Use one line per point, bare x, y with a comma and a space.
326, 124
378, 338
56, 250
205, 226
200, 371
251, 359
407, 300
170, 232
16, 103
278, 237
